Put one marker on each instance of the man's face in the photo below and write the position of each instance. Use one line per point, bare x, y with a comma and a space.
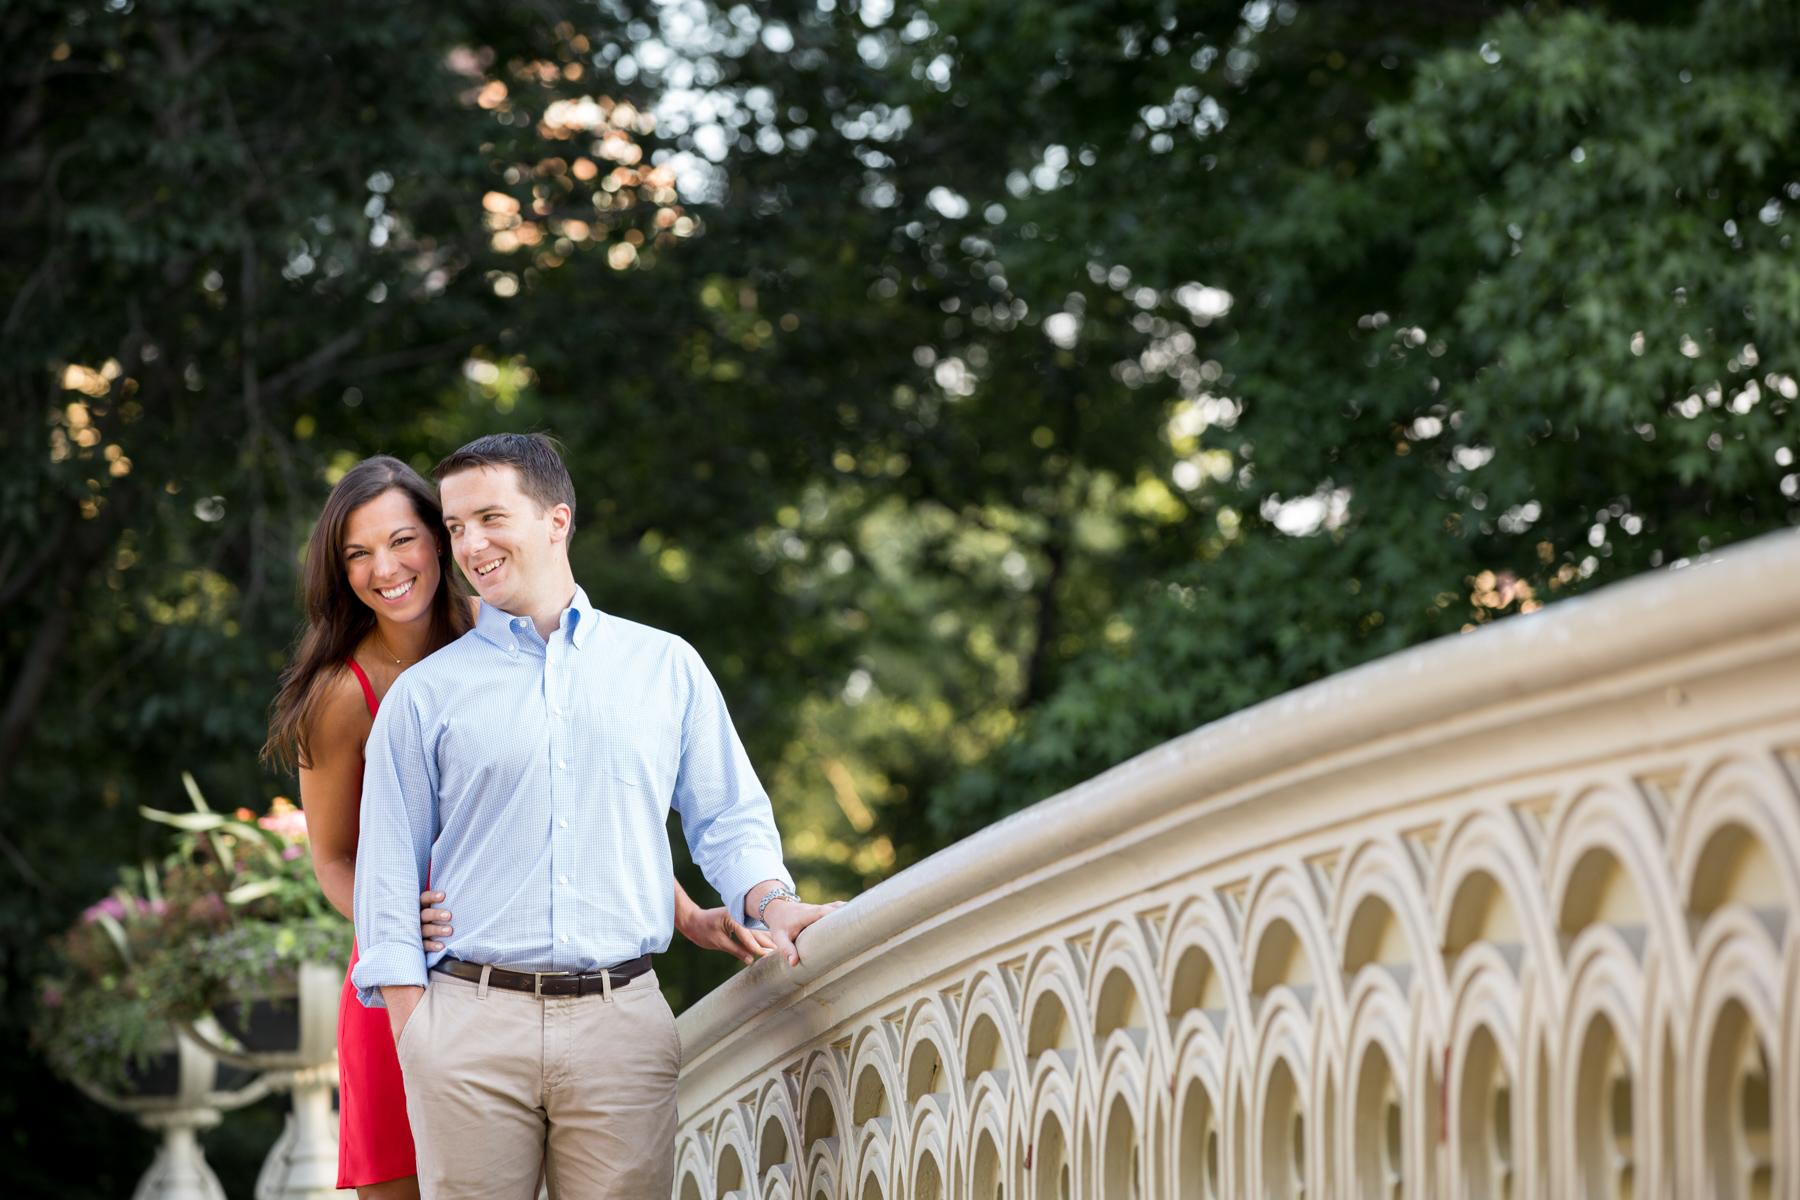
508, 549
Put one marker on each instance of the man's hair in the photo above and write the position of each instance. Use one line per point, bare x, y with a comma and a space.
534, 456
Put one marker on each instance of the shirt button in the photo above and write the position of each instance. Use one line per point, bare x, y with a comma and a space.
564, 822
565, 937
559, 710
561, 765
564, 879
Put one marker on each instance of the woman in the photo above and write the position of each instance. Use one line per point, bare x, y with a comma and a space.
380, 595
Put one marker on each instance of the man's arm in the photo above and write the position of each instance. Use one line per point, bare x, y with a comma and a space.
398, 823
726, 817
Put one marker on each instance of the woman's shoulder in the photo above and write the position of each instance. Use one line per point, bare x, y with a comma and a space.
339, 705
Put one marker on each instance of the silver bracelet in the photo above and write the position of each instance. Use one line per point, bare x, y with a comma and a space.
779, 892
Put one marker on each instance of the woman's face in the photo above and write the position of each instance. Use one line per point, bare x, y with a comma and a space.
391, 558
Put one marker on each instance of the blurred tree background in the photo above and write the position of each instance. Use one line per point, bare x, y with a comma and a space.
989, 391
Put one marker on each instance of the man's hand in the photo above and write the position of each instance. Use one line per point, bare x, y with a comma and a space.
713, 929
786, 918
433, 922
401, 999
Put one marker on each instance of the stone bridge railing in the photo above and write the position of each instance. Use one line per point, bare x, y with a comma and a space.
1506, 915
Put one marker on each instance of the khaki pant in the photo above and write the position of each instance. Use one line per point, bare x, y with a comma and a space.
498, 1082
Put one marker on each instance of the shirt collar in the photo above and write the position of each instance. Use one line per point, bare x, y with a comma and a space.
580, 619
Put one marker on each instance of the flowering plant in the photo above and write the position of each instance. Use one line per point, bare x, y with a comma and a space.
227, 917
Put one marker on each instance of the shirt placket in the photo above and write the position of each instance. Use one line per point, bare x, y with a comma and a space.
564, 941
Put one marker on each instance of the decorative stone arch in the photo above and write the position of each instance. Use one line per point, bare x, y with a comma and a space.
1489, 888
824, 1118
777, 1134
875, 1178
1736, 840
1396, 995
1282, 1137
1606, 864
733, 1152
778, 1184
1602, 1058
1199, 1151
929, 1155
930, 1064
1123, 994
989, 1178
693, 1168
1286, 944
822, 1182
1380, 917
1124, 1125
1054, 1012
1054, 1120
1202, 971
1732, 1105
990, 1039
993, 1117
1383, 1152
1484, 1098
875, 1100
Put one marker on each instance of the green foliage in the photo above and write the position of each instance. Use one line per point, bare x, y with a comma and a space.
103, 1017
1540, 335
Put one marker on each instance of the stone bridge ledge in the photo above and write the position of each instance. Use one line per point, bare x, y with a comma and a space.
1503, 915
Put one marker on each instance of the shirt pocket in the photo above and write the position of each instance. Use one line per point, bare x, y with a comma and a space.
638, 748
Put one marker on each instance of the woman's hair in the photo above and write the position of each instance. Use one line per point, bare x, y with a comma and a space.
337, 620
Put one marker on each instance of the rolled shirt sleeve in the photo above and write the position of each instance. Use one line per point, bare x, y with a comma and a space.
725, 813
398, 825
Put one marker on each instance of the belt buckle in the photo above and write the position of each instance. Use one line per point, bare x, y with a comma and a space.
537, 980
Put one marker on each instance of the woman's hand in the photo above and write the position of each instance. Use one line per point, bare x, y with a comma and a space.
433, 922
713, 929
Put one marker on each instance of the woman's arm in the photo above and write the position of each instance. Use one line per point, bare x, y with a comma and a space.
331, 788
713, 929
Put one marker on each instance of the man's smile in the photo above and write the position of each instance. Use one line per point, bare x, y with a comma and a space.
487, 568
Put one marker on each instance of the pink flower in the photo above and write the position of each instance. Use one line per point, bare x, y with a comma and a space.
291, 853
110, 906
290, 824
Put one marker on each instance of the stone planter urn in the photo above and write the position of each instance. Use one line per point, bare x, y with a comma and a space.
292, 1039
180, 1092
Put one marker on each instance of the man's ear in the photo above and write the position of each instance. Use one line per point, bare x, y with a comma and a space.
561, 521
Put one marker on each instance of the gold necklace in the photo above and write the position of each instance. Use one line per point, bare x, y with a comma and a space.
389, 650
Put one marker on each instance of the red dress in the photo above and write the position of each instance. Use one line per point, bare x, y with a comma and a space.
375, 1142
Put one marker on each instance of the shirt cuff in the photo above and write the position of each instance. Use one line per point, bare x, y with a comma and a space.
387, 964
746, 873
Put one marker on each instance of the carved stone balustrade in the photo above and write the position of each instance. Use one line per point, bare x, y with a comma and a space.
1503, 916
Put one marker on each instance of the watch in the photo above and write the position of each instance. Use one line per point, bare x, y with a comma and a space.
778, 892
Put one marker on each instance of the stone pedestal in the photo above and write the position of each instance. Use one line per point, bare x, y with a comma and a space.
303, 1163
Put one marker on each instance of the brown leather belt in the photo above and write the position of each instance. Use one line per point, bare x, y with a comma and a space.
546, 983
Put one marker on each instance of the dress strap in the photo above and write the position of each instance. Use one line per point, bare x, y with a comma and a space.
368, 692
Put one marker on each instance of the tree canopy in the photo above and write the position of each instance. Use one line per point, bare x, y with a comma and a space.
989, 392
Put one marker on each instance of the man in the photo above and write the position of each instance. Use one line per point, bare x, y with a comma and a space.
527, 771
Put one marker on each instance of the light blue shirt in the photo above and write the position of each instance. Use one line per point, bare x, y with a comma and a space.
531, 784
